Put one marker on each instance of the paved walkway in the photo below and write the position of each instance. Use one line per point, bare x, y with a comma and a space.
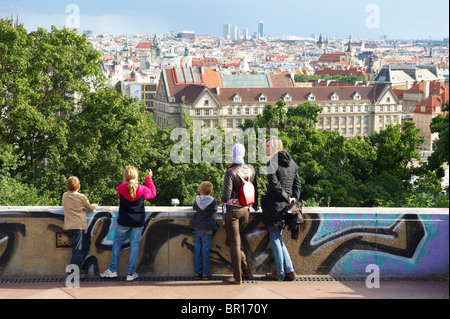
302, 288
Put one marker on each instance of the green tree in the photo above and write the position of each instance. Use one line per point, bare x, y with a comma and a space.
440, 125
42, 74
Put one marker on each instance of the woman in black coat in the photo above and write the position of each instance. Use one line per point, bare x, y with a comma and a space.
283, 189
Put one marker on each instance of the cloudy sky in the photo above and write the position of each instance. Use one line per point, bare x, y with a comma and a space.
397, 19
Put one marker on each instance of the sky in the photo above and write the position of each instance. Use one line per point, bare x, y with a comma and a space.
363, 19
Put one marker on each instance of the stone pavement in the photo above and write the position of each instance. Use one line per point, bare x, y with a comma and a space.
301, 288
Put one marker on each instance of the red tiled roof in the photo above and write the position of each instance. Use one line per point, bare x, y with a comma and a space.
431, 103
330, 57
273, 94
300, 94
144, 45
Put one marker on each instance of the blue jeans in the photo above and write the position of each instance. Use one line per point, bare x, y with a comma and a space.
280, 254
80, 246
119, 238
202, 247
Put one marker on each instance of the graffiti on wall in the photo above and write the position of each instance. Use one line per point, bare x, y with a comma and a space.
328, 244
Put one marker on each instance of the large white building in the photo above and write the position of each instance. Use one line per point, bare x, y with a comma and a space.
350, 110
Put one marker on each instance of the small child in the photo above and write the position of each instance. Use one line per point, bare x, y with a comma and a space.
75, 206
203, 223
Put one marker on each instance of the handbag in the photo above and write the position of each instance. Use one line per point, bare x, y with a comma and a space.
293, 217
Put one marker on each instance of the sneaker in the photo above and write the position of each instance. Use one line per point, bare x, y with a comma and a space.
290, 276
207, 277
274, 276
198, 276
131, 277
108, 274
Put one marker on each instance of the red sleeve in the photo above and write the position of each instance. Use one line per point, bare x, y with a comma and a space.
122, 188
149, 190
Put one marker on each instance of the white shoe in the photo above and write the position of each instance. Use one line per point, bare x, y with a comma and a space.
132, 277
108, 274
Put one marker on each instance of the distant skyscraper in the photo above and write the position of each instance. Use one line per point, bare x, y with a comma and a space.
226, 30
261, 28
234, 33
245, 34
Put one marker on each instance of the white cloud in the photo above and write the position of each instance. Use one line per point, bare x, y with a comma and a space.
100, 24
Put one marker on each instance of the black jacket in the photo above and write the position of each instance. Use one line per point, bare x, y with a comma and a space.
204, 219
131, 214
284, 183
232, 182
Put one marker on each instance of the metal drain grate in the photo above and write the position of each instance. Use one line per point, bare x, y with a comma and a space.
214, 278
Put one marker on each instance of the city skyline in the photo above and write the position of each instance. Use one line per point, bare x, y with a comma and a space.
362, 19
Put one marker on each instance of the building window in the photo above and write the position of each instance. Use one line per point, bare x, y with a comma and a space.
262, 98
238, 111
197, 112
206, 103
334, 97
247, 111
229, 123
230, 111
311, 97
215, 123
206, 112
255, 110
237, 98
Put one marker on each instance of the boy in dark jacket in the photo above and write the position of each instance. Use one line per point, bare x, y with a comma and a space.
203, 223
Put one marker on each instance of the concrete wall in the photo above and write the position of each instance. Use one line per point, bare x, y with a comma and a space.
334, 241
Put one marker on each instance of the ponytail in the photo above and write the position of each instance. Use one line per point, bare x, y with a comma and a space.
131, 177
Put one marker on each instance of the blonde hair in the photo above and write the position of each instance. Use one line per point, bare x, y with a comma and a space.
276, 145
73, 183
206, 187
131, 173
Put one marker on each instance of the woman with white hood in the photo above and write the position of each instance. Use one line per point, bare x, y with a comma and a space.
236, 216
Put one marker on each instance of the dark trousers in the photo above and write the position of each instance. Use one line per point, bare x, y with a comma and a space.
235, 219
80, 246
